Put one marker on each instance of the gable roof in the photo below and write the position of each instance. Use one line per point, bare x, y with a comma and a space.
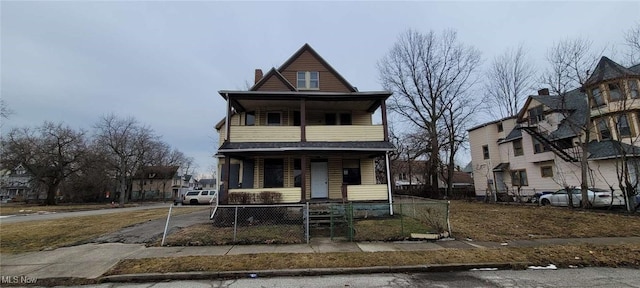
607, 69
307, 48
273, 73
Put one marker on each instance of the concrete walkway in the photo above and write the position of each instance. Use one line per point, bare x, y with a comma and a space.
93, 260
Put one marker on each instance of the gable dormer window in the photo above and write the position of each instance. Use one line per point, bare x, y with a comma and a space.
633, 88
536, 114
308, 80
614, 92
597, 97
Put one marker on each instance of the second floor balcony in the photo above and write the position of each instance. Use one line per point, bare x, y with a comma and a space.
315, 133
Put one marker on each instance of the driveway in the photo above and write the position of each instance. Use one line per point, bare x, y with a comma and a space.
60, 215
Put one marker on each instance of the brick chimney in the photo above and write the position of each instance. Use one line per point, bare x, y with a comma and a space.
258, 75
543, 91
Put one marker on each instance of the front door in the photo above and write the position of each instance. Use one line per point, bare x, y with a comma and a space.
319, 180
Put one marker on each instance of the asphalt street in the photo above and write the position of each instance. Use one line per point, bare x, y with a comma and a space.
583, 277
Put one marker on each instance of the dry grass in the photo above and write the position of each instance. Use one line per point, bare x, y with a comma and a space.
47, 234
562, 256
498, 222
21, 208
207, 234
388, 229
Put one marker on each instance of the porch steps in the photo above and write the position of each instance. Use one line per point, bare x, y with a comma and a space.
323, 215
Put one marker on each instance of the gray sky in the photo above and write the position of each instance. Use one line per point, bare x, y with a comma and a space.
162, 62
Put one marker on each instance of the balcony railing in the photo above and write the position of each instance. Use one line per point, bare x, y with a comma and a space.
327, 133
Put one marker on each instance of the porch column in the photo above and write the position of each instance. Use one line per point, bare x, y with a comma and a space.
385, 126
227, 124
227, 178
303, 121
303, 178
386, 160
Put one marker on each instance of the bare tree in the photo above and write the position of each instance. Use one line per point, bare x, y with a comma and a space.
632, 40
570, 63
426, 73
126, 143
509, 78
5, 112
51, 153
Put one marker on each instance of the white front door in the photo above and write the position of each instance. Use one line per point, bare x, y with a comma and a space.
319, 180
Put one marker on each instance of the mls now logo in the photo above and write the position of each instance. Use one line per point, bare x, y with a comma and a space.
17, 280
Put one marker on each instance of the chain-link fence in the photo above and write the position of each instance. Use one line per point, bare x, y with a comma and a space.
413, 217
261, 224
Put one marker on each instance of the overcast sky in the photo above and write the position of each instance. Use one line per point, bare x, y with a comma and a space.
163, 62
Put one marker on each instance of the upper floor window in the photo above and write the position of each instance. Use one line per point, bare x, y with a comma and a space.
250, 119
614, 92
517, 148
603, 128
536, 114
633, 88
337, 119
546, 171
308, 79
274, 119
539, 147
500, 128
624, 129
485, 151
597, 97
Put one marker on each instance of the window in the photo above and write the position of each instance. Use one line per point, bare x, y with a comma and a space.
345, 119
330, 119
308, 79
624, 129
273, 173
536, 114
297, 173
614, 92
296, 118
603, 128
250, 118
597, 97
564, 143
539, 147
500, 128
485, 151
519, 178
402, 176
273, 118
517, 148
351, 171
546, 171
633, 88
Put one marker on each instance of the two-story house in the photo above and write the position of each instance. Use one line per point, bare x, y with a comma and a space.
305, 132
539, 149
154, 182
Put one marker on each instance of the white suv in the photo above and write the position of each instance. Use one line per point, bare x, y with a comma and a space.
198, 197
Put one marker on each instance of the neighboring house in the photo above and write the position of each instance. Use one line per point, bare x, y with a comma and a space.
538, 149
303, 131
156, 182
17, 184
207, 184
182, 183
409, 175
460, 180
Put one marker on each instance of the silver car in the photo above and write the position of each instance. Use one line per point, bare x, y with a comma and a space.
597, 197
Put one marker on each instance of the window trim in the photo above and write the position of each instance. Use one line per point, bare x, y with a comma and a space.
520, 173
307, 80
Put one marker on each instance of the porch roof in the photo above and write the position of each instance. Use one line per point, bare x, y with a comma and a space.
371, 146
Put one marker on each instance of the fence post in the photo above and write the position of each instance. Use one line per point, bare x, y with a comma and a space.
350, 216
166, 226
401, 221
448, 222
307, 221
235, 224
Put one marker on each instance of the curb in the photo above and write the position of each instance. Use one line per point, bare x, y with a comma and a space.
158, 277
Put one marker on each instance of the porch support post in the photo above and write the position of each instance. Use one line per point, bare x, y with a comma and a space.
227, 124
385, 125
386, 156
303, 178
227, 178
303, 121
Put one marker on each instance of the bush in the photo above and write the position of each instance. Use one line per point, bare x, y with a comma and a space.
267, 197
241, 198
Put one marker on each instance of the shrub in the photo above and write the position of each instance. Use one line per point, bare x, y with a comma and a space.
241, 198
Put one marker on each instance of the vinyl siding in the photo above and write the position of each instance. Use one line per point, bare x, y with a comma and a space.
367, 192
345, 133
289, 195
367, 171
265, 133
274, 84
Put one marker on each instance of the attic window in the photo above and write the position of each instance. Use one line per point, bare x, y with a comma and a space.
308, 80
536, 114
500, 128
597, 97
614, 92
633, 88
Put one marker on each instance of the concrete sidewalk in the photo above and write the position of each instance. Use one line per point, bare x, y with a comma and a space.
93, 260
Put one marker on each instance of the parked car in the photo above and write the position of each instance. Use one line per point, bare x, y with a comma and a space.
199, 197
597, 197
536, 197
